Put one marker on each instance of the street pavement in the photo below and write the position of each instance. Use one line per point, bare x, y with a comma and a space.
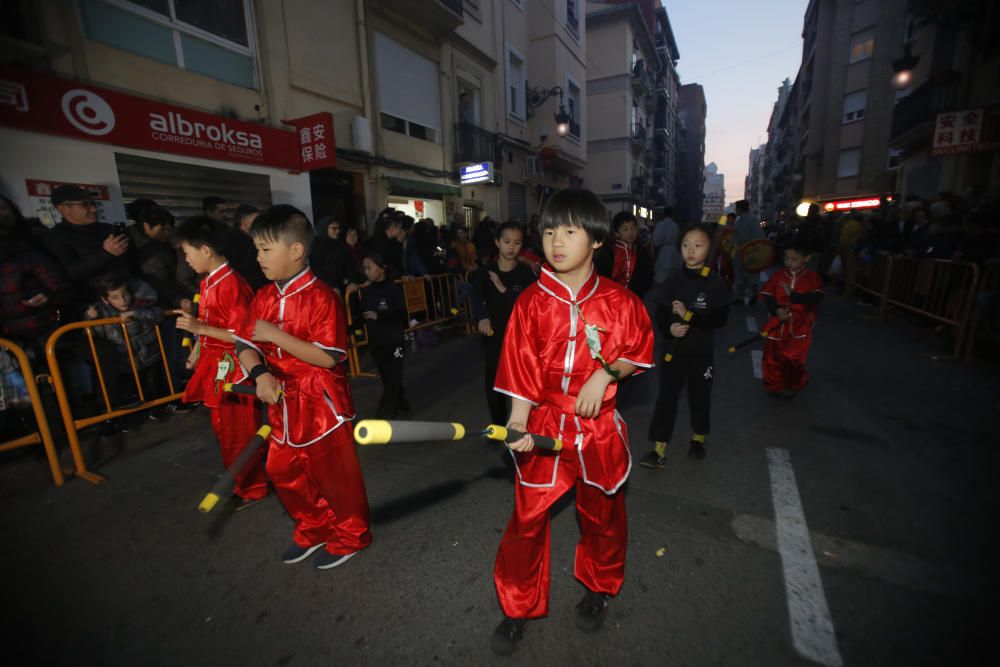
891, 453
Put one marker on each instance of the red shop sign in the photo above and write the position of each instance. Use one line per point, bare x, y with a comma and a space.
317, 144
44, 103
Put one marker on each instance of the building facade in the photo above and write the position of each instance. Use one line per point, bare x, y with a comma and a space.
624, 64
691, 115
714, 205
420, 89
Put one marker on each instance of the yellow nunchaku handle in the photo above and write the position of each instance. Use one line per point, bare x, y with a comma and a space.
188, 340
381, 432
504, 434
210, 500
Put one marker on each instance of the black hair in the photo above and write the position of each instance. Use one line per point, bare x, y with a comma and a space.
621, 217
159, 216
284, 223
799, 246
576, 208
208, 203
695, 227
510, 224
201, 231
139, 210
376, 258
106, 282
668, 211
743, 206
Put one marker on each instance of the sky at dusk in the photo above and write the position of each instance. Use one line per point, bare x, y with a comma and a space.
739, 51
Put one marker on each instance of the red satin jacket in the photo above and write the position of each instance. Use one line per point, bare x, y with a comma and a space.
803, 316
546, 361
317, 400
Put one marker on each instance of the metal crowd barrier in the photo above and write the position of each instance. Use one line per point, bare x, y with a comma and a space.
43, 435
984, 322
73, 425
430, 301
939, 289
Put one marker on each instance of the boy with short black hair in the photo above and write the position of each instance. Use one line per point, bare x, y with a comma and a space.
133, 301
292, 345
223, 307
571, 337
791, 296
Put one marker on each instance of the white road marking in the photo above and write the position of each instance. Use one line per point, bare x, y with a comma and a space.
896, 567
758, 359
752, 324
812, 628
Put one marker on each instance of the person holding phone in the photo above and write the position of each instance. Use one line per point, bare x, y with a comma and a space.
84, 247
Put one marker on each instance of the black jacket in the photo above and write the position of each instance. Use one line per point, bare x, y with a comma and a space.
642, 277
385, 298
242, 256
156, 263
708, 300
331, 262
489, 302
80, 253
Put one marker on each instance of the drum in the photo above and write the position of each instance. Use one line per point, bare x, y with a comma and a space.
757, 255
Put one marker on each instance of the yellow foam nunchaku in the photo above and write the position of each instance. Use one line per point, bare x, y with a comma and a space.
503, 434
212, 498
381, 432
188, 340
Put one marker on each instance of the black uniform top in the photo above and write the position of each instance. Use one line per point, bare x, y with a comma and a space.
385, 298
498, 307
708, 300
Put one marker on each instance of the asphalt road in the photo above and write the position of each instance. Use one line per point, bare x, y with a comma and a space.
891, 452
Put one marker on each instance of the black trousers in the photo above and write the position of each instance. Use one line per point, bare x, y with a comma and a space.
496, 401
389, 360
696, 372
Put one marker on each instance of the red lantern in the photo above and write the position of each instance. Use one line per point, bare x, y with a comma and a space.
548, 157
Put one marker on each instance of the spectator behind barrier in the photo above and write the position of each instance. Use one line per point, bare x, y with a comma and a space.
83, 247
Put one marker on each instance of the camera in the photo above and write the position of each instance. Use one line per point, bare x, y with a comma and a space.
119, 228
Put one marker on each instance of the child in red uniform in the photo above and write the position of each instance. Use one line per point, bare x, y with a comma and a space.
571, 336
791, 297
298, 328
626, 262
224, 306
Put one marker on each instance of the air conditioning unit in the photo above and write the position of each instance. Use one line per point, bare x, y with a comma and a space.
532, 167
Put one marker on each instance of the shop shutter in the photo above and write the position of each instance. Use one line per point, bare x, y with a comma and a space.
516, 202
180, 187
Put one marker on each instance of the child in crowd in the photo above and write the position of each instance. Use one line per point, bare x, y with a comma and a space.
626, 262
465, 249
383, 310
224, 306
690, 307
572, 336
791, 297
497, 286
292, 346
133, 301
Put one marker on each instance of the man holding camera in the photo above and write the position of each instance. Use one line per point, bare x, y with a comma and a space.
84, 247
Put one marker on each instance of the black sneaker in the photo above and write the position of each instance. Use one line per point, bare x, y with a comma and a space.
156, 414
180, 407
591, 610
326, 560
696, 450
507, 636
653, 460
295, 553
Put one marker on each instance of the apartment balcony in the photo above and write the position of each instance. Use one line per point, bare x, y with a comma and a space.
641, 82
473, 144
661, 88
637, 136
436, 15
914, 116
651, 101
638, 187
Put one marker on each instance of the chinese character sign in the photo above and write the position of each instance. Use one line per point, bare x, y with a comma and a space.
958, 132
317, 146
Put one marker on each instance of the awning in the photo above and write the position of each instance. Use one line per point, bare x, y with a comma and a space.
413, 188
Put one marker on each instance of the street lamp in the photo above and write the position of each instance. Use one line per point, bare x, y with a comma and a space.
535, 97
903, 68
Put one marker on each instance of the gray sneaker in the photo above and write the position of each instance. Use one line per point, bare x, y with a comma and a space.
296, 554
327, 560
